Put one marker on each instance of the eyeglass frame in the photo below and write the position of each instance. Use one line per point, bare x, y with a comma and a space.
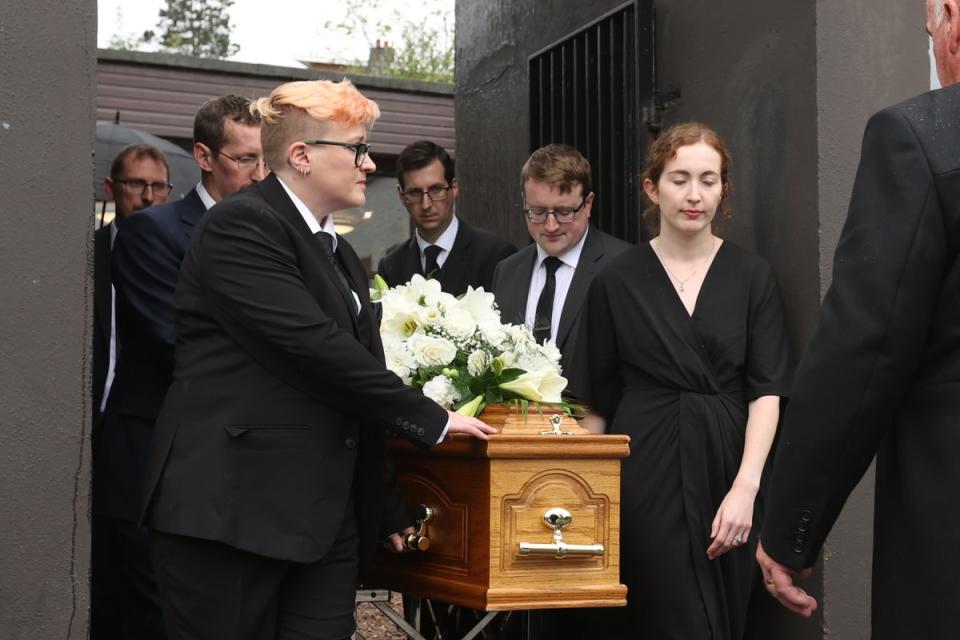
153, 186
528, 212
360, 149
260, 160
417, 199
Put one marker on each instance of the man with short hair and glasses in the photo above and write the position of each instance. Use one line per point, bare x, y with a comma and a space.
146, 261
443, 247
139, 178
545, 284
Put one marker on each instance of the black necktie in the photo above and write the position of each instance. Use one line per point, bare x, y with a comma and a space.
544, 316
326, 241
430, 254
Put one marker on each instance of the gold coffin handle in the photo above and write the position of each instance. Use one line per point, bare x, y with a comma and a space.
557, 518
418, 540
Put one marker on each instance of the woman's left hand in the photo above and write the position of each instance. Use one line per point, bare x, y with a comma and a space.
734, 519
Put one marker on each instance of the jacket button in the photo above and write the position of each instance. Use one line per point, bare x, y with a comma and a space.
420, 432
399, 422
805, 517
351, 443
798, 549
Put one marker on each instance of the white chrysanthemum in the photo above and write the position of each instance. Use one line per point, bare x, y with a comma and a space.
477, 362
458, 323
431, 351
520, 335
430, 316
492, 332
441, 390
551, 353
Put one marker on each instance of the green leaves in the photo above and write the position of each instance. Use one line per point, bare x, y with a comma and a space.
198, 28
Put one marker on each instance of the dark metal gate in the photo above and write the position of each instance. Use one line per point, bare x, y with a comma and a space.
588, 91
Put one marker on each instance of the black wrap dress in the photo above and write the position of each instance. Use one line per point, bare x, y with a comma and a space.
679, 385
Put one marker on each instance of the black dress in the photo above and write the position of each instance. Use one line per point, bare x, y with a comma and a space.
679, 387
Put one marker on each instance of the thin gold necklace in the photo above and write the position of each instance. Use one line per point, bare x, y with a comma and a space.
680, 282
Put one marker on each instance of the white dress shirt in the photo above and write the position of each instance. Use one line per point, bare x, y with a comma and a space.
315, 227
445, 242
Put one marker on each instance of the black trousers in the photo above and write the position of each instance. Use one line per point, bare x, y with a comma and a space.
124, 601
211, 591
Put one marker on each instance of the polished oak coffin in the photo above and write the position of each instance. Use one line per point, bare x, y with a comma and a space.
529, 519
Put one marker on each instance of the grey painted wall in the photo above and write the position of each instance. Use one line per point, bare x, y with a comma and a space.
46, 142
790, 87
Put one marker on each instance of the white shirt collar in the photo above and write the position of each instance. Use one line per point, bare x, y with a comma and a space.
205, 196
309, 218
571, 257
446, 239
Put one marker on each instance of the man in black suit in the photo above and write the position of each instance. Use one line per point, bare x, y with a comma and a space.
139, 178
442, 247
545, 284
882, 372
145, 264
268, 479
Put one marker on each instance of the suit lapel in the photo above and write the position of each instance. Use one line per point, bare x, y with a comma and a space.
453, 274
513, 291
275, 195
410, 260
587, 267
191, 210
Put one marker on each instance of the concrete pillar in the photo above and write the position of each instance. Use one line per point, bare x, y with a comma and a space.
46, 247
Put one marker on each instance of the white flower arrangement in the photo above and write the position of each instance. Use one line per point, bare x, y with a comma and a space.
459, 352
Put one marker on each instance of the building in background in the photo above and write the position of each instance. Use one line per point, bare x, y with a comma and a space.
159, 94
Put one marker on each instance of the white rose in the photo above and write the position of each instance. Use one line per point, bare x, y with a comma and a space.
440, 389
431, 351
477, 362
458, 323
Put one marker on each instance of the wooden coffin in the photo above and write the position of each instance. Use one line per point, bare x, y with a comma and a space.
489, 498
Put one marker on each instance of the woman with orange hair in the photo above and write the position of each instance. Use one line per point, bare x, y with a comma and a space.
685, 349
268, 479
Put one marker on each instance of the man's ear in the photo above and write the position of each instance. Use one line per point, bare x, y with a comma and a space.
108, 188
454, 187
203, 156
951, 15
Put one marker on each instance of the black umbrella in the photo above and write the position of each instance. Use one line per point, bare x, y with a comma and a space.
112, 136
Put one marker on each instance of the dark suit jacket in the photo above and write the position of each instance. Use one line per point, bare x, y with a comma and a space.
280, 399
146, 259
472, 259
882, 376
102, 316
511, 285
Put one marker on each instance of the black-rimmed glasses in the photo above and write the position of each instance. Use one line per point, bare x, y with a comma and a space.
415, 196
246, 163
360, 149
136, 187
562, 215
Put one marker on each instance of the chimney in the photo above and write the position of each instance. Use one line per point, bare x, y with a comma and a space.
380, 58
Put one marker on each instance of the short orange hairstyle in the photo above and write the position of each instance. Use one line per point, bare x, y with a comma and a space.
293, 111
